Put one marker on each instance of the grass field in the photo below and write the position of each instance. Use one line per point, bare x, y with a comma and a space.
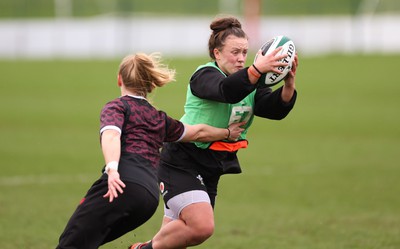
327, 177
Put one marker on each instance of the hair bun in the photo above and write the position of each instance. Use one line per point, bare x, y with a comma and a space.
224, 23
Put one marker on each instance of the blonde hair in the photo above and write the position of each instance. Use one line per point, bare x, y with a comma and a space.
142, 73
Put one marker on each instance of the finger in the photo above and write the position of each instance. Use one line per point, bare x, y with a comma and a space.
119, 189
114, 192
280, 57
294, 67
111, 189
235, 125
276, 70
276, 67
295, 61
121, 183
276, 50
109, 196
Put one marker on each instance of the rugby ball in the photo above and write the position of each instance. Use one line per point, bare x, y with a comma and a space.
288, 47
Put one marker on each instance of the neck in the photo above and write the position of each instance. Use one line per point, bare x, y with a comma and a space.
125, 91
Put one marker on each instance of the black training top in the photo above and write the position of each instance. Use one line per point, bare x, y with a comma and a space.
209, 83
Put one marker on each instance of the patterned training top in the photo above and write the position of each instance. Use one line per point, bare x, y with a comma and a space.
143, 130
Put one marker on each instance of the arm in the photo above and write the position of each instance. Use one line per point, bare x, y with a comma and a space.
209, 83
111, 147
270, 104
206, 133
281, 101
289, 87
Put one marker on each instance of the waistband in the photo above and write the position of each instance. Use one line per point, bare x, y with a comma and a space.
228, 146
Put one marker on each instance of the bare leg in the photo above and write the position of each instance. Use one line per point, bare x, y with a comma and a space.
195, 225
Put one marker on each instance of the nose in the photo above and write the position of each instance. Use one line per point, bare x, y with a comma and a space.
241, 58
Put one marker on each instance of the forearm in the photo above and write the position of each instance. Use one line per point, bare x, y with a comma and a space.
289, 88
271, 105
111, 145
288, 92
204, 133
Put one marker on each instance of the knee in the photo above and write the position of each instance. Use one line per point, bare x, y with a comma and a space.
199, 221
201, 232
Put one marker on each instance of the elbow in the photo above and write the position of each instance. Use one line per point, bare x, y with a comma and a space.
202, 134
194, 133
278, 117
199, 136
271, 115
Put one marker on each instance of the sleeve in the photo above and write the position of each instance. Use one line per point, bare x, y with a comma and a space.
112, 116
209, 83
175, 129
269, 104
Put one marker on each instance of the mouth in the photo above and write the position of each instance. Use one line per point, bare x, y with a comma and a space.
239, 67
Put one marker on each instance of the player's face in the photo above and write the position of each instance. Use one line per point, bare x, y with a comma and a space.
232, 56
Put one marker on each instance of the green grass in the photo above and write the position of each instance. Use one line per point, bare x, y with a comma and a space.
326, 177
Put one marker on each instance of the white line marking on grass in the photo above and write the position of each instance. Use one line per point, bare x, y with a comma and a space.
23, 180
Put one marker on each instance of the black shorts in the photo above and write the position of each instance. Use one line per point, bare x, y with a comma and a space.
177, 180
96, 221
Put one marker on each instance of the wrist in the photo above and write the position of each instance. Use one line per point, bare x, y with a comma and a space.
254, 72
113, 165
258, 71
289, 86
229, 134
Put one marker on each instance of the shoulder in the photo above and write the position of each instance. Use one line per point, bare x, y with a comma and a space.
207, 73
115, 105
208, 67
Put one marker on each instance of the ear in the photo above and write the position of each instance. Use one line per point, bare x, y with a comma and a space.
119, 80
216, 53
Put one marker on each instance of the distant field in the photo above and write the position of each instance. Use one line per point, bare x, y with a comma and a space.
326, 177
79, 8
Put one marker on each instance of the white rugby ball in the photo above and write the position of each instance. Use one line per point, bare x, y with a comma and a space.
288, 47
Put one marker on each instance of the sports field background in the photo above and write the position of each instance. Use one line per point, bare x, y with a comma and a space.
80, 8
324, 178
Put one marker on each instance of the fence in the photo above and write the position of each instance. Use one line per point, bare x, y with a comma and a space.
114, 37
112, 28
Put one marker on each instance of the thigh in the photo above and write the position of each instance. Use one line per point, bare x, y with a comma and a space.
97, 221
87, 222
175, 205
136, 206
198, 215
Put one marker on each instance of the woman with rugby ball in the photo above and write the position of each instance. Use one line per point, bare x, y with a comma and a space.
220, 92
